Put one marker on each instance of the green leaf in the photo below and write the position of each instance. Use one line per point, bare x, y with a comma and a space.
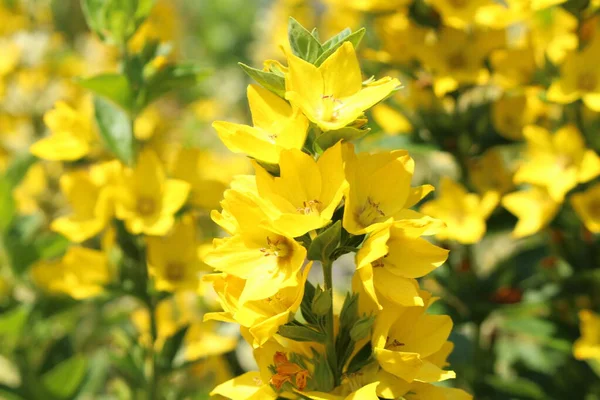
323, 375
362, 328
6, 395
116, 129
330, 138
269, 80
302, 42
171, 347
7, 204
301, 333
93, 11
322, 302
114, 87
519, 387
355, 38
361, 358
171, 78
64, 379
13, 321
337, 39
323, 245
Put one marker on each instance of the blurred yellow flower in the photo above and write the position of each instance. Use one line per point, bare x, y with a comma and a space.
587, 347
29, 192
90, 195
587, 206
579, 79
459, 14
73, 133
80, 273
147, 200
173, 260
557, 161
276, 127
332, 95
534, 207
464, 213
489, 173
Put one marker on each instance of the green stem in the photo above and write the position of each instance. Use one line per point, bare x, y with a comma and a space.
329, 323
154, 371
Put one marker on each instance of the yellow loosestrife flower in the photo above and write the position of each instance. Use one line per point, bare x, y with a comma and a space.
464, 213
31, 190
256, 252
391, 259
459, 14
534, 207
379, 190
148, 200
557, 161
73, 134
306, 193
277, 126
579, 78
81, 273
407, 343
173, 260
587, 347
91, 195
262, 317
587, 207
332, 95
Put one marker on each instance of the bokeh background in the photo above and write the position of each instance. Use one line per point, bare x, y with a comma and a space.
476, 75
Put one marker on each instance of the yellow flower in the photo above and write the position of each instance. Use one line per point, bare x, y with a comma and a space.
203, 340
587, 347
457, 58
408, 343
553, 33
459, 14
391, 120
31, 189
511, 113
208, 174
489, 173
68, 276
263, 316
579, 79
369, 207
513, 67
368, 392
391, 259
399, 37
276, 127
73, 134
306, 193
464, 213
557, 161
256, 252
173, 260
332, 95
587, 207
534, 208
90, 195
370, 5
148, 200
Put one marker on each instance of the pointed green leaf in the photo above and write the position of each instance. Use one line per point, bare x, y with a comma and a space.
116, 129
63, 380
302, 42
269, 80
114, 87
355, 38
301, 333
325, 243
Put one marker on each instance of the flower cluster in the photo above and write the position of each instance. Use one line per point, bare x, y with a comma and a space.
312, 199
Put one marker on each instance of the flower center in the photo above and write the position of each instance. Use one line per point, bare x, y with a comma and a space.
564, 161
278, 247
458, 3
369, 213
594, 208
456, 60
587, 82
175, 271
392, 344
330, 108
146, 206
310, 207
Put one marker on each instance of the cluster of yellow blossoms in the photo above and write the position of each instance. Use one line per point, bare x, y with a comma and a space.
311, 200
